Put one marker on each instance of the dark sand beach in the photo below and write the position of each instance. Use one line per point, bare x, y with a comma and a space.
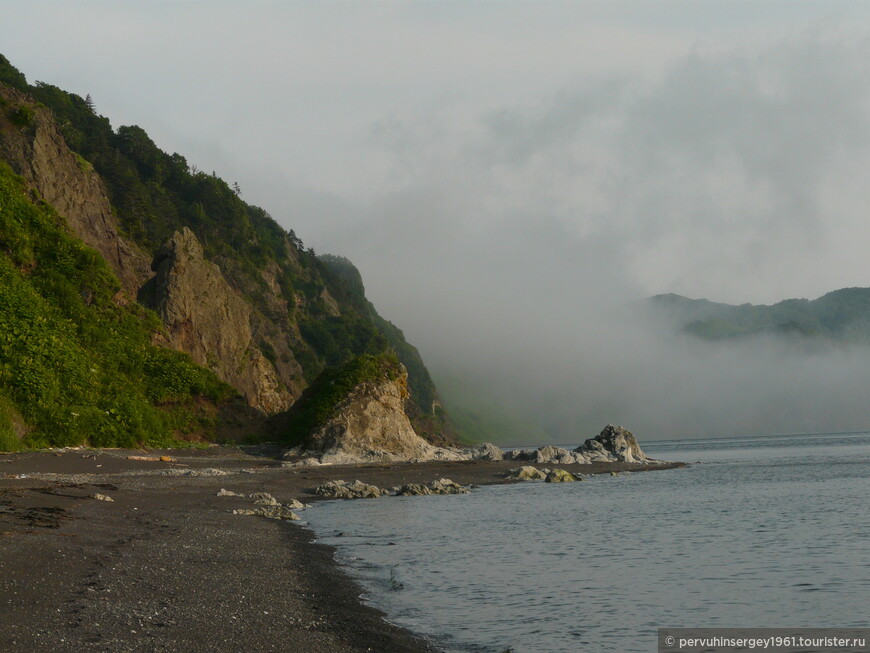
166, 566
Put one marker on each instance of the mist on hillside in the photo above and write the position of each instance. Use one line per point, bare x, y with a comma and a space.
512, 243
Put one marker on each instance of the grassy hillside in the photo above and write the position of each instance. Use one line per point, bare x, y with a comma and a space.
75, 367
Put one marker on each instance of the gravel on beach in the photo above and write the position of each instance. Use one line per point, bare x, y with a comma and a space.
166, 565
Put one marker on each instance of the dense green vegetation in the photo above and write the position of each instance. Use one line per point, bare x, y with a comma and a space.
77, 367
9, 440
319, 401
841, 316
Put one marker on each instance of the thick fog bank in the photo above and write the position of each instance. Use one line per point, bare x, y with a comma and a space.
662, 386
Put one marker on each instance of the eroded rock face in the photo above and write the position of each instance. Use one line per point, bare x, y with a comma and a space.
371, 425
66, 181
209, 320
613, 444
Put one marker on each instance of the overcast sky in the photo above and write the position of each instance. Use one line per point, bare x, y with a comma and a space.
502, 172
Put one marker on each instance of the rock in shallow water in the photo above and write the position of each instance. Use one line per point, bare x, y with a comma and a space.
441, 486
527, 473
560, 476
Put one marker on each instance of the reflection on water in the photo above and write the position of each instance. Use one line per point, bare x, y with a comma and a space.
764, 532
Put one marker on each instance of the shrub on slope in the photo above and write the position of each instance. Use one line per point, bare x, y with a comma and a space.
78, 367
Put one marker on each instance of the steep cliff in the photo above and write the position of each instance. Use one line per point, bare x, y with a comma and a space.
206, 318
32, 145
234, 290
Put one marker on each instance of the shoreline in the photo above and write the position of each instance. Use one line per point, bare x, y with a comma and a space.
166, 566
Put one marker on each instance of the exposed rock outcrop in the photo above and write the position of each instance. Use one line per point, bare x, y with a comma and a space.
370, 424
209, 320
39, 153
613, 444
560, 476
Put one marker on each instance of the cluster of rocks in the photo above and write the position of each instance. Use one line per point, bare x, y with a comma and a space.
441, 486
266, 505
345, 490
204, 471
530, 473
613, 444
359, 490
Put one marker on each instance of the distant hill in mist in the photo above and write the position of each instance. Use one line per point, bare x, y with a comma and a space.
841, 316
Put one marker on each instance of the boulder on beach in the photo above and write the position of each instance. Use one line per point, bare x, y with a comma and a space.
271, 512
345, 490
560, 476
483, 451
551, 454
520, 454
547, 455
264, 499
527, 473
441, 486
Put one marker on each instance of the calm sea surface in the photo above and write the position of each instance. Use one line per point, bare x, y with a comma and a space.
768, 531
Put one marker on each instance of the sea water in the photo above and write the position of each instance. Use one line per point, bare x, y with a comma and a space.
757, 532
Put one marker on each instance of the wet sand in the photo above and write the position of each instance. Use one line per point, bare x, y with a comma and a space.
166, 566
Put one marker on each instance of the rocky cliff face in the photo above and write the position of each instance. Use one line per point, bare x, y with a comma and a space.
206, 318
370, 424
37, 151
